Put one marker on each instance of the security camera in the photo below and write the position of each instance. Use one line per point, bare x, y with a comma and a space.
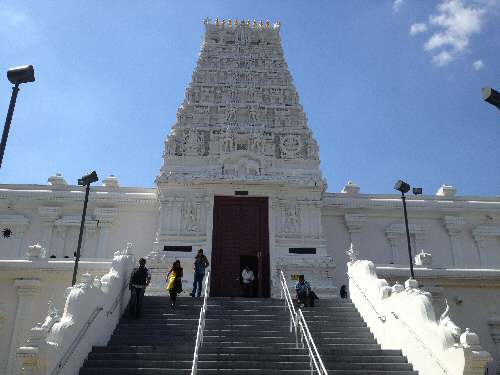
21, 74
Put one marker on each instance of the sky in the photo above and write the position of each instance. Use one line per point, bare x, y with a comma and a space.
391, 88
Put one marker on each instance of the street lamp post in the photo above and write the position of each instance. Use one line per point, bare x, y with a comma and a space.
403, 187
16, 76
84, 181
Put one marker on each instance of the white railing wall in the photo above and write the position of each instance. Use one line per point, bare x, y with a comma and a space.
91, 312
298, 326
403, 317
201, 327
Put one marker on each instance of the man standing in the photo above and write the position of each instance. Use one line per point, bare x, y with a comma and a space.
200, 263
139, 280
247, 278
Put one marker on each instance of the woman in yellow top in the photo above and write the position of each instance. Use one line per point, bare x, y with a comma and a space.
174, 281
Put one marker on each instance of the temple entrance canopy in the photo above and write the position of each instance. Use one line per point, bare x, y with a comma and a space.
241, 127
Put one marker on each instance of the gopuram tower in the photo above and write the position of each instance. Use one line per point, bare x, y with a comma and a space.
241, 175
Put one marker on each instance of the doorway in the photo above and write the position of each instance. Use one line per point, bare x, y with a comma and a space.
240, 235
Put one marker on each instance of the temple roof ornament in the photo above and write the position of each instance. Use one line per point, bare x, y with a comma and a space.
241, 118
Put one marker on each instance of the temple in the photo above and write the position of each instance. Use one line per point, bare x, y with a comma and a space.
241, 179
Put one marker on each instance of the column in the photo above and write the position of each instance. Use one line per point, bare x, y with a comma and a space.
60, 239
105, 218
48, 215
393, 243
454, 225
354, 224
26, 291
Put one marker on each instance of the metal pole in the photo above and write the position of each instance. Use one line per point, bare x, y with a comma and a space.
75, 270
407, 234
8, 120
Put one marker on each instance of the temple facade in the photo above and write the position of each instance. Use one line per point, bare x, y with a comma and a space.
241, 179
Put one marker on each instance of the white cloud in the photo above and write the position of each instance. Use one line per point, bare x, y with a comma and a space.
397, 4
457, 22
19, 24
478, 65
418, 28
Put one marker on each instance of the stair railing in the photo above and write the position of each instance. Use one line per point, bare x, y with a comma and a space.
285, 293
201, 327
298, 324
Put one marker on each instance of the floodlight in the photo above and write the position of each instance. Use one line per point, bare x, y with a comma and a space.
88, 179
21, 74
491, 96
402, 186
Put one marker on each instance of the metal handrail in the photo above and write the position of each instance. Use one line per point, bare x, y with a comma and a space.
382, 318
298, 322
201, 327
310, 343
65, 357
291, 308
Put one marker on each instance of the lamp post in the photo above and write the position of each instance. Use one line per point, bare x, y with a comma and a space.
403, 187
84, 181
16, 76
491, 96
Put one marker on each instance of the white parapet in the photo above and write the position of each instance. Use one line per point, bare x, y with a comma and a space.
402, 317
92, 309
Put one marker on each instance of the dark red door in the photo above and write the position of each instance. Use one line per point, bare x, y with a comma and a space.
240, 230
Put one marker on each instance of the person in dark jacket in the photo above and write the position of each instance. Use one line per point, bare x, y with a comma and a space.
139, 280
200, 263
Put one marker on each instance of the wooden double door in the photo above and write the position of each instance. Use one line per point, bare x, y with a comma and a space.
240, 237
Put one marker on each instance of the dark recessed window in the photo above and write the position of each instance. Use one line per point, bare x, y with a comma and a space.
185, 249
302, 250
6, 233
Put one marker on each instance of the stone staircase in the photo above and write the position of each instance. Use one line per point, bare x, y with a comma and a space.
160, 342
346, 344
250, 336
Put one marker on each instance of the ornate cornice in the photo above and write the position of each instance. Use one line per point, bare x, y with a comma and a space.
71, 193
421, 203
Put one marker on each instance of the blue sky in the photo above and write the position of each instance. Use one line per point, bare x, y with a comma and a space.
391, 88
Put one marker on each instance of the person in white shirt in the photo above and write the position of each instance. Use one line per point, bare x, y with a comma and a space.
247, 278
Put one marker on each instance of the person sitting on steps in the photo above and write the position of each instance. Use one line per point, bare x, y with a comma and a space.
305, 296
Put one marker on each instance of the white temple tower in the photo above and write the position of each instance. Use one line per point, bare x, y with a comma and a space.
241, 176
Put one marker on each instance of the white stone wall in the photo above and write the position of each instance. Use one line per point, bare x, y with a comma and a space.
51, 215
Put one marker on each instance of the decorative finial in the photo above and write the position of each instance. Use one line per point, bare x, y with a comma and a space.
217, 22
223, 23
235, 23
261, 24
230, 23
268, 24
254, 24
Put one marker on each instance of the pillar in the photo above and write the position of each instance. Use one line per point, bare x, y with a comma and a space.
354, 224
48, 215
105, 218
454, 225
27, 290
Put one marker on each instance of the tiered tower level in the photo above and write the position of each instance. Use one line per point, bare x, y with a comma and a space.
241, 129
241, 118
